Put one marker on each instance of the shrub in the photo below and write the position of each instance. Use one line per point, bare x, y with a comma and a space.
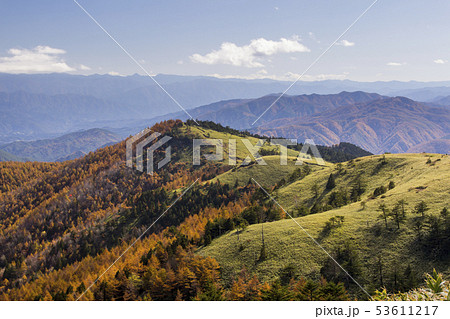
436, 288
391, 185
331, 182
379, 191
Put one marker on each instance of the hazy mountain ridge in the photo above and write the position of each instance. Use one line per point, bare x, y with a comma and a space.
240, 114
435, 146
104, 86
386, 125
442, 100
374, 122
50, 105
47, 105
30, 116
6, 157
65, 147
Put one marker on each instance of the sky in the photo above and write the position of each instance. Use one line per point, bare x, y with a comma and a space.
395, 40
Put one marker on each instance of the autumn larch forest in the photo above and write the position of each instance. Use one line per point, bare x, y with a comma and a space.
63, 224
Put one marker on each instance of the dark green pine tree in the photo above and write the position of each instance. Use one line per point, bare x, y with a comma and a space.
277, 292
421, 208
331, 182
210, 292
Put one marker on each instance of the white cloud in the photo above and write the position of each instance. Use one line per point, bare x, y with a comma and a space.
114, 73
41, 59
394, 64
322, 77
263, 74
346, 43
319, 77
440, 61
84, 67
249, 55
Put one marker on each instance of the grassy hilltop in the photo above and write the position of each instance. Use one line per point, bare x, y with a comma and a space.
417, 177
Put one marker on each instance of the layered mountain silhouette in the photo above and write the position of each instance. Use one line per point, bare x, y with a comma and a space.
43, 106
442, 101
66, 147
433, 146
374, 122
5, 157
240, 114
384, 125
35, 116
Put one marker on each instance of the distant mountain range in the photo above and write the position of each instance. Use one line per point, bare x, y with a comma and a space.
5, 157
66, 147
31, 116
442, 100
374, 122
385, 125
46, 106
433, 146
205, 89
240, 114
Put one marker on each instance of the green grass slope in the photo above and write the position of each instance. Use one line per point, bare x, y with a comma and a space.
405, 170
241, 150
267, 175
416, 178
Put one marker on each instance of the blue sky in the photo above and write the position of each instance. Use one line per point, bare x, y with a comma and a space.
396, 40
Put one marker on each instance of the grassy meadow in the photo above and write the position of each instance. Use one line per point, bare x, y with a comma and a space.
416, 177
